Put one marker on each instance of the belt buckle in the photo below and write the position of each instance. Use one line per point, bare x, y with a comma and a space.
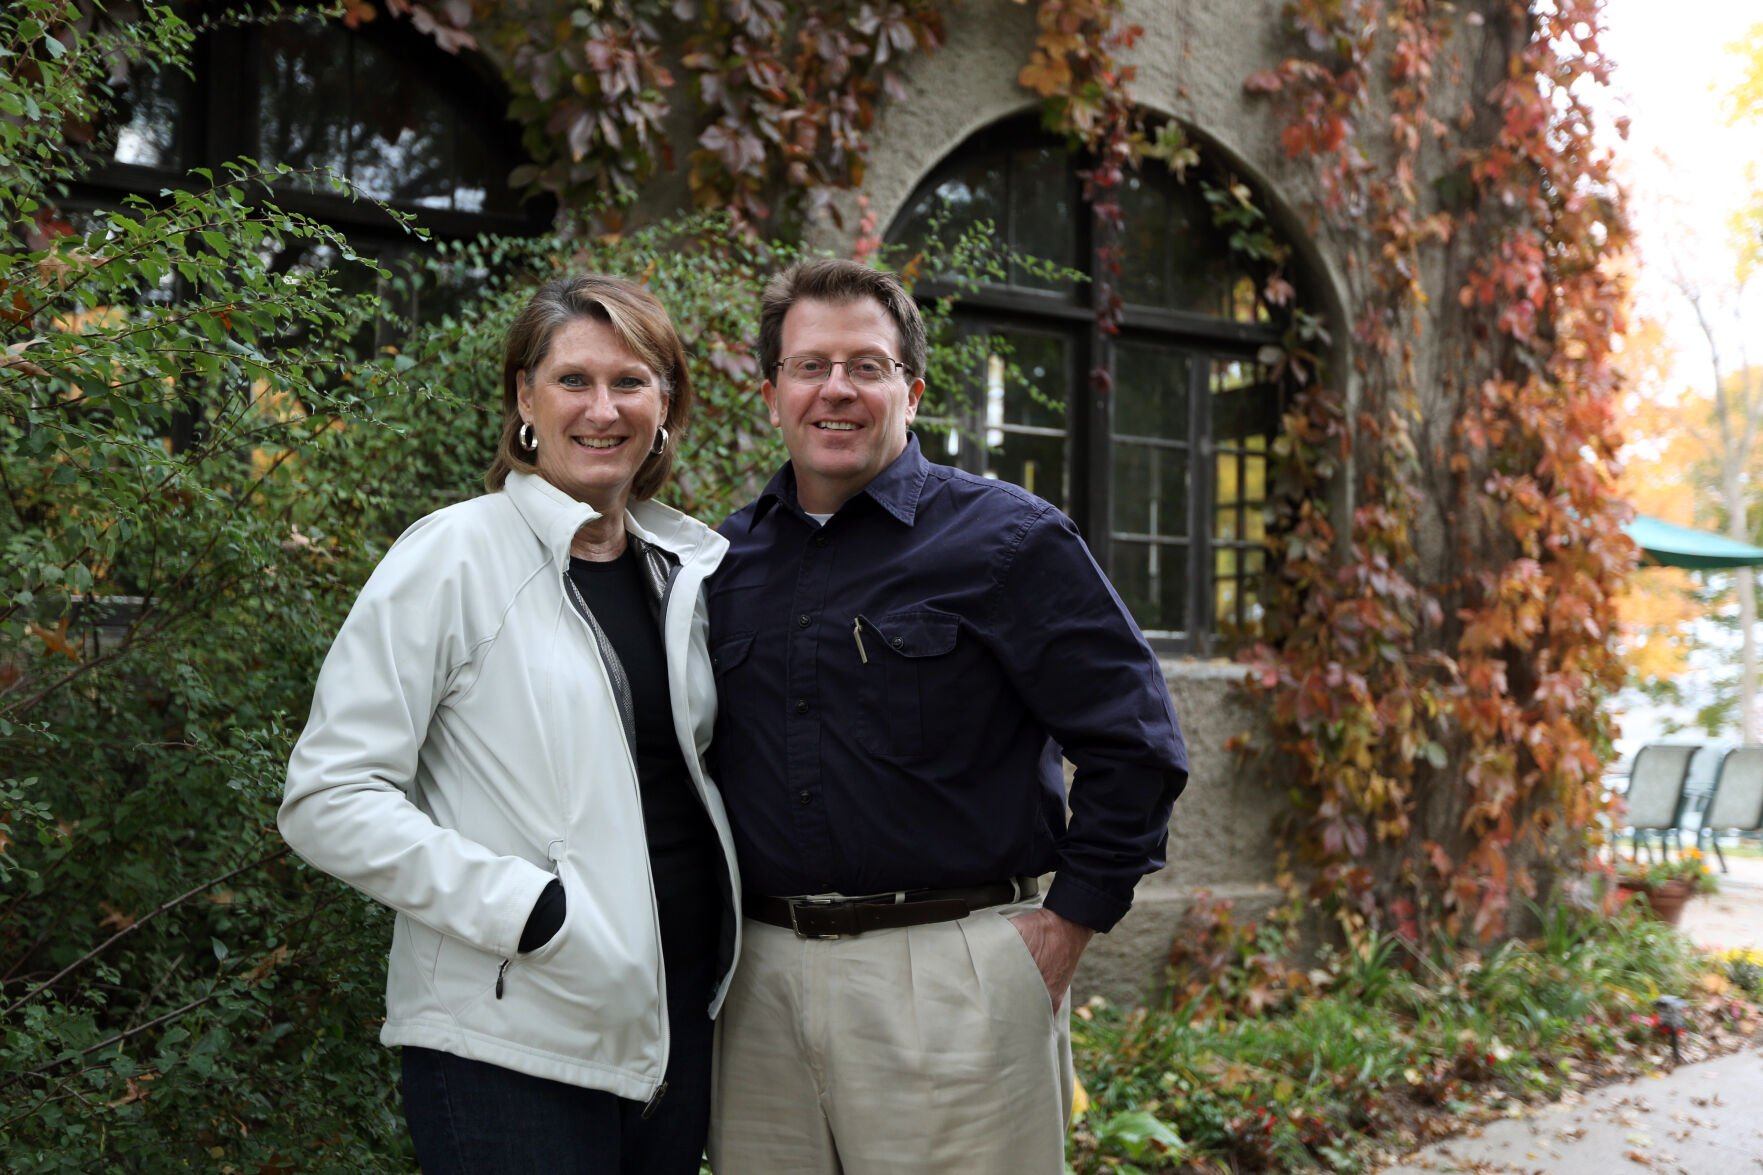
797, 903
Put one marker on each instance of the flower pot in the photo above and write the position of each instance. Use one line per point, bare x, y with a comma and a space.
1664, 901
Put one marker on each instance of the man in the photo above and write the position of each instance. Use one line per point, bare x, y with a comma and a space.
898, 647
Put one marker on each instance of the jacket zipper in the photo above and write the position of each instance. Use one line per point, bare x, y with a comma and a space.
621, 692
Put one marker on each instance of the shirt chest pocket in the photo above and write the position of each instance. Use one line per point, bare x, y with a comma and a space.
907, 682
729, 652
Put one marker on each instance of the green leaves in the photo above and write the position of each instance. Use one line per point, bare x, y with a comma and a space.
1139, 1135
1385, 1044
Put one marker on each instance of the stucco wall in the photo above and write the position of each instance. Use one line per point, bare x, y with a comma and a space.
1220, 838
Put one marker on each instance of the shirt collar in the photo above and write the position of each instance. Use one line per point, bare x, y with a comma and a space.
895, 489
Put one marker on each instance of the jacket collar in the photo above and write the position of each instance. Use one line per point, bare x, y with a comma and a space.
895, 489
554, 517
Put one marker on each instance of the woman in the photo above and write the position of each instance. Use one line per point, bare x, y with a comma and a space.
506, 747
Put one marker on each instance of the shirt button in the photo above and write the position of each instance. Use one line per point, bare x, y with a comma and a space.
820, 540
898, 641
804, 797
802, 620
801, 705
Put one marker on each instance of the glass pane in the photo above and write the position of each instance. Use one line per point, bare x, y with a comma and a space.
1236, 587
303, 96
1254, 478
1245, 299
1204, 271
1144, 241
1224, 603
148, 116
964, 193
403, 132
1023, 385
1245, 411
1150, 490
1036, 463
1255, 523
1229, 481
1152, 581
480, 179
1150, 392
1225, 528
1043, 223
1036, 392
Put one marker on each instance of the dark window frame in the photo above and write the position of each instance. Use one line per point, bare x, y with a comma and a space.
219, 122
1204, 340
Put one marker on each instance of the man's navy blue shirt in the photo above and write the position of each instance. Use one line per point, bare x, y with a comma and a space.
896, 687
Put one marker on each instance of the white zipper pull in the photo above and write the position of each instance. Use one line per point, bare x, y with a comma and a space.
857, 635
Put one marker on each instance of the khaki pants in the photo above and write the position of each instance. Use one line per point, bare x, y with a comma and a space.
926, 1049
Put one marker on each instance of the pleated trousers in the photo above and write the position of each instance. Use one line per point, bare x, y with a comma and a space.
924, 1049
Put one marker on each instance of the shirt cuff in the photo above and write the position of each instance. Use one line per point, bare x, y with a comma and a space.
1083, 904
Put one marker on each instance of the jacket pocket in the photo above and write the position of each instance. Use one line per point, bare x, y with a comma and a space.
903, 657
598, 970
465, 975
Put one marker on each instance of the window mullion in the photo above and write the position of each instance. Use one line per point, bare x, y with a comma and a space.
1203, 487
1092, 416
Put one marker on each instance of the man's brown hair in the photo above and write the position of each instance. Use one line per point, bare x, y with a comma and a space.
831, 279
638, 320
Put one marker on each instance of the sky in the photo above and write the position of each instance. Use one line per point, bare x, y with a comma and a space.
1684, 166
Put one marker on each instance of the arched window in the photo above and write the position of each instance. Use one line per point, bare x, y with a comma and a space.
1164, 463
409, 124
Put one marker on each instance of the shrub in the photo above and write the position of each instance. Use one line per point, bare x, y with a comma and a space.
174, 988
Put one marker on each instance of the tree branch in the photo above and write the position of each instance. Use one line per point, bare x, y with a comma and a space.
136, 925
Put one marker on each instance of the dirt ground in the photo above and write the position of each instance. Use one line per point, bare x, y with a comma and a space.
1734, 916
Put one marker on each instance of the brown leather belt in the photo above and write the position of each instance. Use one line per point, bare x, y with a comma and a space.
841, 917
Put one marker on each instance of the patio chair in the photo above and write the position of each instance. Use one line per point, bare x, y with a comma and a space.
1737, 803
1655, 791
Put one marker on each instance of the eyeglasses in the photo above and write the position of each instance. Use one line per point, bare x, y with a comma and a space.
863, 370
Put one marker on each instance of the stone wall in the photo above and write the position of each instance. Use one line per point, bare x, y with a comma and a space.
1220, 838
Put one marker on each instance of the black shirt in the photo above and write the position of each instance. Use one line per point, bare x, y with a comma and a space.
890, 681
683, 851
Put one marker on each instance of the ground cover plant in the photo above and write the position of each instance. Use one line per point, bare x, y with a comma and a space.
1381, 1047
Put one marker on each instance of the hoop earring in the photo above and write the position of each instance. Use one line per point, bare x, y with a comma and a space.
526, 438
660, 445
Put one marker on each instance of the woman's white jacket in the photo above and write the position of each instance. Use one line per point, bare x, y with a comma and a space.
465, 746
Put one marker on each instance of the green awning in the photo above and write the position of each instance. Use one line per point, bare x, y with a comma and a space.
1683, 546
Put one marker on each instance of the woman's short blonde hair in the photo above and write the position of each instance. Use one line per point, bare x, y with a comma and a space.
638, 320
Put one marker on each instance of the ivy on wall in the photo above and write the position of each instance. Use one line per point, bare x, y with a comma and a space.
1444, 707
1438, 694
778, 96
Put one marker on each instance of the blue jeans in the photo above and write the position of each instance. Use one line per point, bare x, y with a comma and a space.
470, 1117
